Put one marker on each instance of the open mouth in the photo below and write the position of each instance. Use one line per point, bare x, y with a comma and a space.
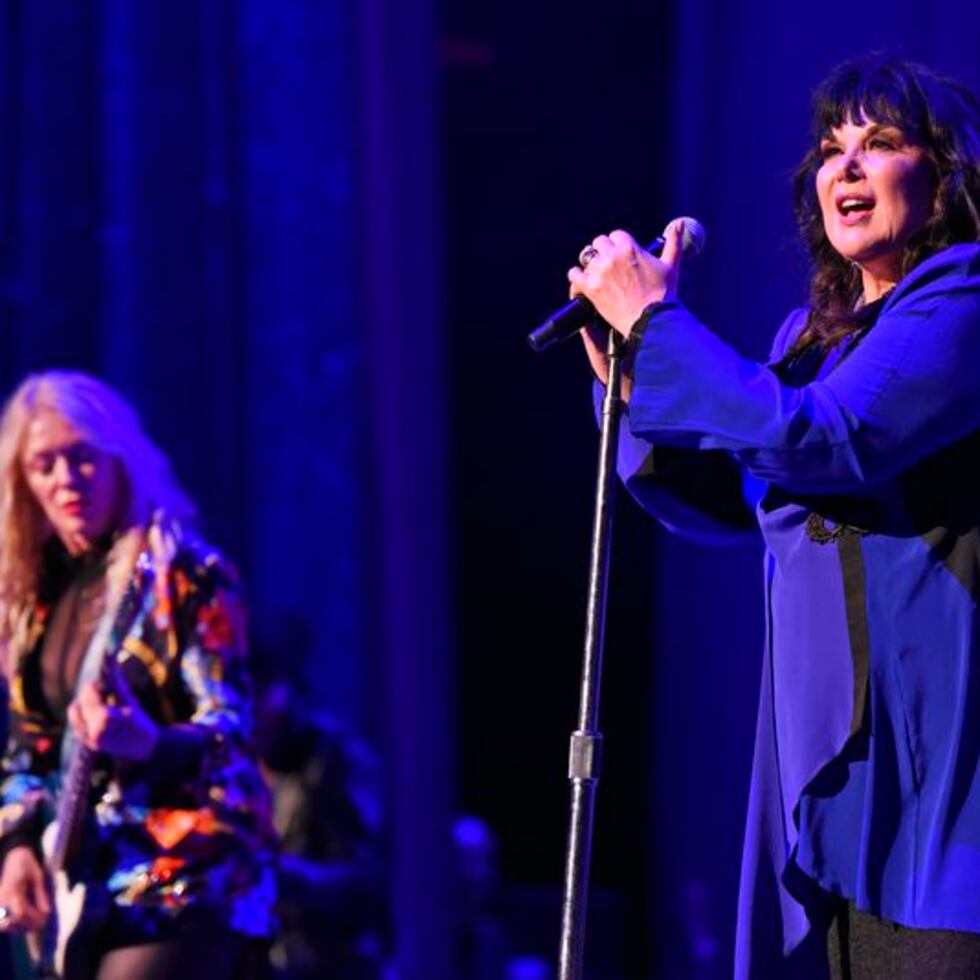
853, 204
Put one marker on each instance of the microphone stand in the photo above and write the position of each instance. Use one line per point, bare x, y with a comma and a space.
585, 747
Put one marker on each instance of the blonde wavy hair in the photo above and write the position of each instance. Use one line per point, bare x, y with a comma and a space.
106, 420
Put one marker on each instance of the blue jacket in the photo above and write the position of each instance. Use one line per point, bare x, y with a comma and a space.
866, 774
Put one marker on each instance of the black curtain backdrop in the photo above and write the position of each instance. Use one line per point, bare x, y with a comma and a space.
307, 240
549, 138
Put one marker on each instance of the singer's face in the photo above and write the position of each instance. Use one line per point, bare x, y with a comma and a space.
876, 190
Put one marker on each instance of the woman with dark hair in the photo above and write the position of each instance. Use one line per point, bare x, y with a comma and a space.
864, 425
122, 637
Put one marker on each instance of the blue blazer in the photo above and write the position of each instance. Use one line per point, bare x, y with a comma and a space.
866, 774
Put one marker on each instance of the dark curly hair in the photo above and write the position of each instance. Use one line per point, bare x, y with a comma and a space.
932, 110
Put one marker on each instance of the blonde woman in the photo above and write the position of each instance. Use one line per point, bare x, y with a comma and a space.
123, 642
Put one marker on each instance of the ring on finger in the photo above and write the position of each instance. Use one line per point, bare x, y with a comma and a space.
5, 917
587, 255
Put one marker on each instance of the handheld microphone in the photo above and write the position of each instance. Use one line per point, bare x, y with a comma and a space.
576, 314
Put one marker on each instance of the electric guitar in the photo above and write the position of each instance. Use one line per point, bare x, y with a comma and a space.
78, 905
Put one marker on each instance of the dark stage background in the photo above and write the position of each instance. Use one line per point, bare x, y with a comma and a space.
307, 240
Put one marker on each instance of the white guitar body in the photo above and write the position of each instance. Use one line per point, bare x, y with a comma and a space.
48, 947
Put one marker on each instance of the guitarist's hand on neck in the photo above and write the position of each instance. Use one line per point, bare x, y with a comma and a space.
117, 726
24, 891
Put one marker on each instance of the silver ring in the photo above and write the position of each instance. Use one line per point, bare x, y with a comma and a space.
5, 917
587, 255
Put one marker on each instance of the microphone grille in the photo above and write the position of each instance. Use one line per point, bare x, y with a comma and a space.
694, 236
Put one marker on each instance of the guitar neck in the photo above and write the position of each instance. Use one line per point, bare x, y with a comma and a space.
72, 805
73, 802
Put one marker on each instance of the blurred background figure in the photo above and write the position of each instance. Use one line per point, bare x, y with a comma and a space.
328, 809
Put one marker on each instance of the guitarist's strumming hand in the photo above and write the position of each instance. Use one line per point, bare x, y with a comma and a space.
115, 725
24, 891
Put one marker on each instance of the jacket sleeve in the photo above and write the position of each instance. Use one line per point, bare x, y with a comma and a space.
704, 495
209, 628
696, 494
911, 387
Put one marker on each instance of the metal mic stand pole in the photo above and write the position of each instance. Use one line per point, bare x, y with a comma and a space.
585, 748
